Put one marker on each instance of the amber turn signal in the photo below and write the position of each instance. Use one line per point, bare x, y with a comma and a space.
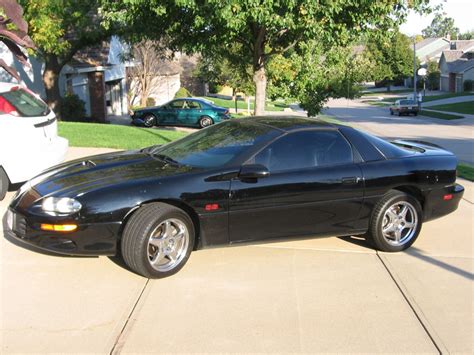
59, 227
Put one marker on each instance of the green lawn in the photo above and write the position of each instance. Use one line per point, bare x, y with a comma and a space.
270, 106
440, 115
460, 107
445, 96
114, 136
466, 171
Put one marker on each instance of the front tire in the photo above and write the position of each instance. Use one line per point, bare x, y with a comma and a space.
158, 240
205, 121
4, 183
396, 222
391, 112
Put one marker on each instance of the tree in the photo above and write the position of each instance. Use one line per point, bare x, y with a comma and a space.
263, 29
60, 29
311, 75
433, 75
147, 57
467, 35
14, 34
392, 57
441, 26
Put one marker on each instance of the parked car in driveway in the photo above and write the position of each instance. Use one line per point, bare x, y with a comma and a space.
29, 141
189, 112
404, 107
239, 181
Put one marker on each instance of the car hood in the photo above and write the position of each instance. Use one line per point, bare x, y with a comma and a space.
81, 176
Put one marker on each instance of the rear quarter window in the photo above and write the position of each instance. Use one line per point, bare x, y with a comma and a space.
388, 149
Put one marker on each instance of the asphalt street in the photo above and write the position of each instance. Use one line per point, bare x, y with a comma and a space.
454, 135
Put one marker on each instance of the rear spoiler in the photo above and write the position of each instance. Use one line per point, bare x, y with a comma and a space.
417, 143
423, 147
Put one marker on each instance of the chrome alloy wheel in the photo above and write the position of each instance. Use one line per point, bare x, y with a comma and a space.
400, 223
205, 121
167, 244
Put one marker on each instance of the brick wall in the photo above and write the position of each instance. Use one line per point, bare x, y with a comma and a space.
97, 95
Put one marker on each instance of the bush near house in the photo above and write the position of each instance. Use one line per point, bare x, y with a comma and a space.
468, 85
150, 102
72, 108
182, 92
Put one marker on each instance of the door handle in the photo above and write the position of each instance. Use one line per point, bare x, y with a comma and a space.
350, 180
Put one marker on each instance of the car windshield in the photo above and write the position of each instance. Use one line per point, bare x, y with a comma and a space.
25, 103
216, 145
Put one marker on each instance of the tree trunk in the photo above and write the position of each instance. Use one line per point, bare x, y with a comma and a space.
260, 80
51, 82
259, 74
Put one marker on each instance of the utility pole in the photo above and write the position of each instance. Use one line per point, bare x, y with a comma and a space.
414, 67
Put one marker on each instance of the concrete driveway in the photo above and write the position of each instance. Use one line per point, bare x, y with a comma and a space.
455, 135
303, 296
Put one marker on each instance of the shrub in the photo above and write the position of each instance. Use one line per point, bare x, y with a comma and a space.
182, 92
468, 85
150, 101
72, 108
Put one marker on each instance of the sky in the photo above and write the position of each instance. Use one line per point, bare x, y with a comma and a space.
462, 11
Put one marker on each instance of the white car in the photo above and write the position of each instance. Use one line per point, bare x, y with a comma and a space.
29, 141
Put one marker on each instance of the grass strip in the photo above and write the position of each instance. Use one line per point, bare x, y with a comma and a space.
466, 172
440, 115
114, 136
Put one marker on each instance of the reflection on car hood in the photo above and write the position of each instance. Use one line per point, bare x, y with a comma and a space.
106, 170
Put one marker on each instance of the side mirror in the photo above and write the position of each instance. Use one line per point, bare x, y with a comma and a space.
253, 171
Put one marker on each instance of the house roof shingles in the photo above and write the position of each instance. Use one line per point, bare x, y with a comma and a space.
458, 61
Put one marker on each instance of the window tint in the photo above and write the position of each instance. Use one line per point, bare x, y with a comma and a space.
305, 149
193, 104
407, 102
26, 104
177, 104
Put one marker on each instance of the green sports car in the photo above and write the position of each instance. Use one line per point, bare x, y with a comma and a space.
190, 112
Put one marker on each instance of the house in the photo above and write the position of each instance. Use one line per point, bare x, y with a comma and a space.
430, 49
426, 50
457, 65
96, 75
100, 77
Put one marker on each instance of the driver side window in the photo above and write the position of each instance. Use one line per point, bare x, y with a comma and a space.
305, 149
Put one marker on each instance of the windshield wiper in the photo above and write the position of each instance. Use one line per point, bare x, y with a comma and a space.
166, 159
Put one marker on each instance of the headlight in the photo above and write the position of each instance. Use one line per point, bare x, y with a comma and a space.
61, 205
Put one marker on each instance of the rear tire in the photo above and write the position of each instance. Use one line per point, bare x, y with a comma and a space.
157, 240
205, 121
149, 120
399, 113
391, 112
4, 183
396, 222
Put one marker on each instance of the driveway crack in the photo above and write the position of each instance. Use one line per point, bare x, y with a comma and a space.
435, 339
117, 344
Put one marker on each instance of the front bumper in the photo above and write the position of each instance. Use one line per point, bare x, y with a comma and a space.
89, 239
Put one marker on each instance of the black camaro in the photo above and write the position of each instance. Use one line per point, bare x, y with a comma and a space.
237, 181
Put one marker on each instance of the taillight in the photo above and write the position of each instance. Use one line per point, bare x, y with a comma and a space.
7, 107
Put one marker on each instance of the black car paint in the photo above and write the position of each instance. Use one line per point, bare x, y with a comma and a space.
321, 201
